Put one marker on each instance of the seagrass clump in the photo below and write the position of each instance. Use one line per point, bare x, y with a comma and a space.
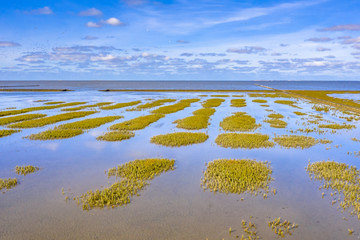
179, 139
240, 121
25, 170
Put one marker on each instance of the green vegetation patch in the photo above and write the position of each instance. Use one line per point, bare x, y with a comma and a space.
134, 175
100, 104
321, 108
155, 103
243, 140
337, 126
300, 113
238, 102
212, 102
25, 170
343, 179
8, 183
296, 141
32, 109
6, 132
269, 95
116, 136
53, 134
282, 228
239, 122
50, 120
265, 105
275, 115
179, 139
14, 119
219, 95
287, 102
237, 176
53, 103
120, 105
181, 105
89, 123
355, 139
137, 123
200, 119
276, 123
259, 101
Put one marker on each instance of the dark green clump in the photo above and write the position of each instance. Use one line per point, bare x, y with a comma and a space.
212, 102
89, 123
200, 119
181, 105
120, 105
25, 170
116, 136
137, 123
238, 102
296, 141
179, 139
8, 183
239, 122
14, 119
53, 134
243, 140
6, 132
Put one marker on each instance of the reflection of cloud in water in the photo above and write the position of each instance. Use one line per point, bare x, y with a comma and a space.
96, 133
95, 145
50, 146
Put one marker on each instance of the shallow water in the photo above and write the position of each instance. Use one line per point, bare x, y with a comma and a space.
173, 206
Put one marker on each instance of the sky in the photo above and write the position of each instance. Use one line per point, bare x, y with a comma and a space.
180, 40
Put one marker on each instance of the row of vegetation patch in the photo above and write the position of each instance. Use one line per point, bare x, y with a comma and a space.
179, 139
200, 120
100, 104
20, 118
212, 102
120, 105
7, 132
182, 104
238, 102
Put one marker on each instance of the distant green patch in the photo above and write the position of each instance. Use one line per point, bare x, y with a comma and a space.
179, 139
89, 123
300, 113
243, 140
25, 170
53, 134
155, 103
238, 96
120, 105
50, 120
264, 105
220, 95
296, 141
320, 108
181, 105
287, 102
14, 119
237, 176
238, 102
87, 106
8, 183
53, 103
355, 139
137, 123
259, 101
276, 123
337, 126
200, 119
116, 136
275, 115
268, 95
239, 122
5, 132
134, 176
32, 109
212, 102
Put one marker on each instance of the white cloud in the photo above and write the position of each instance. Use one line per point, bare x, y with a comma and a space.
107, 57
322, 49
346, 27
9, 44
114, 22
246, 50
93, 24
40, 11
91, 12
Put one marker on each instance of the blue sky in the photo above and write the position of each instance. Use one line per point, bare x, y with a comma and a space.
179, 40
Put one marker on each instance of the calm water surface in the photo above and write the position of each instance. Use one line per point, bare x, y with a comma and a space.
173, 206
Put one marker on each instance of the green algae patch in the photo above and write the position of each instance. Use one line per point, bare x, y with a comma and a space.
286, 102
50, 120
276, 123
343, 179
179, 139
181, 105
212, 102
269, 95
134, 176
53, 134
243, 140
219, 95
137, 123
321, 108
295, 141
25, 170
120, 105
275, 115
300, 113
116, 136
155, 103
355, 139
337, 126
100, 104
53, 103
237, 176
265, 105
6, 132
200, 119
89, 123
32, 109
238, 102
281, 227
239, 122
259, 101
8, 183
14, 119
